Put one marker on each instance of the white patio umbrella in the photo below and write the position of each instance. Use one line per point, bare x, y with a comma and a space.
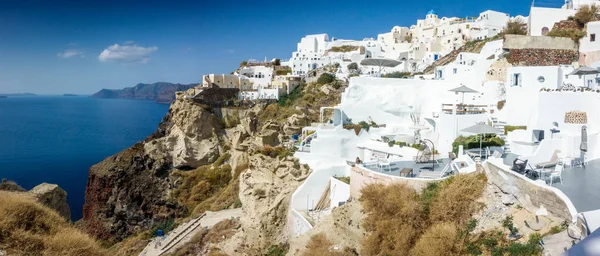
463, 89
583, 71
480, 129
379, 62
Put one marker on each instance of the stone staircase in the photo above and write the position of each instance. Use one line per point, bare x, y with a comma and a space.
500, 126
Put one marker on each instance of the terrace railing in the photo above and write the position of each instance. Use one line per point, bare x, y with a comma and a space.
465, 109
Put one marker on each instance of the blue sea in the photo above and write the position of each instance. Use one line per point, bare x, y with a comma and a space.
56, 139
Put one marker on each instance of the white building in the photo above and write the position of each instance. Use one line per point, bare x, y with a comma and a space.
261, 76
542, 19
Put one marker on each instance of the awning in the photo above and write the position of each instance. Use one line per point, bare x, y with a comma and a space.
463, 89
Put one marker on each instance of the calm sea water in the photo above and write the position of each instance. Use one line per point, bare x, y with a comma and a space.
57, 139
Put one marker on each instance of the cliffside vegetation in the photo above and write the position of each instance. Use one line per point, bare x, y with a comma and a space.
29, 228
437, 221
515, 27
343, 48
469, 142
574, 26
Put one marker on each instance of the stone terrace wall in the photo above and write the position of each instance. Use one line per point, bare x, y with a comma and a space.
360, 178
529, 194
541, 57
513, 42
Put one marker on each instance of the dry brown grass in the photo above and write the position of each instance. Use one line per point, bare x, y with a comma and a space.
132, 245
439, 239
218, 233
394, 219
29, 228
457, 197
399, 221
319, 245
201, 184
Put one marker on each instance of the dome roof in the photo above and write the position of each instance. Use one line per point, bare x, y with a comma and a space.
431, 12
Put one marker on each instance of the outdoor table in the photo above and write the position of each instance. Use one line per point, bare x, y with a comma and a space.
406, 171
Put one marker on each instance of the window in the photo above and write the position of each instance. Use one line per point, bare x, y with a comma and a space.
454, 70
541, 79
592, 37
545, 31
515, 79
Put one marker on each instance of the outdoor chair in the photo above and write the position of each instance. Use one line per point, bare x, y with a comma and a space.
550, 163
384, 162
557, 173
519, 165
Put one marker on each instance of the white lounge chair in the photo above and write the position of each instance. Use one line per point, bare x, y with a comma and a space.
384, 162
557, 173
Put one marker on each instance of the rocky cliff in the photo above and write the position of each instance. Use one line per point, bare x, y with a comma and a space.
130, 191
160, 92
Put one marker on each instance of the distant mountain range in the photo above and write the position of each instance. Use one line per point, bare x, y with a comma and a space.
16, 94
160, 92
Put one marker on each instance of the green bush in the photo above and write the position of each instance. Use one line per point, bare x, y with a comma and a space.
401, 143
326, 78
471, 142
343, 48
574, 34
397, 74
281, 72
510, 128
352, 66
289, 99
391, 143
515, 27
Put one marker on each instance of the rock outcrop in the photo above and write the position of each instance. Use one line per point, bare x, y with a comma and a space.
50, 195
54, 197
130, 191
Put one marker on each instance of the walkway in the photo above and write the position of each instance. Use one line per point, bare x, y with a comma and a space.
185, 232
581, 185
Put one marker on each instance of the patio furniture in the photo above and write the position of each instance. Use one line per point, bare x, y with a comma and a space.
557, 173
519, 165
406, 172
384, 162
550, 163
452, 156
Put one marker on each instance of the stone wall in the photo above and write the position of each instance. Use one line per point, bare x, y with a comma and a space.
360, 177
513, 42
542, 57
529, 194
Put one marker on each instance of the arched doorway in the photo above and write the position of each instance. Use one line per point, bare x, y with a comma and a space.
545, 31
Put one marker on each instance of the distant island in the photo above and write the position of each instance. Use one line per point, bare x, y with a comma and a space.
16, 94
69, 95
160, 92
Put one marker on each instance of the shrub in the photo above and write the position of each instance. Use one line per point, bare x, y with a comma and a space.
439, 239
501, 104
391, 143
289, 99
489, 140
457, 197
515, 27
319, 245
574, 34
343, 48
401, 143
510, 128
508, 224
585, 14
394, 219
397, 74
201, 184
221, 159
325, 78
282, 72
278, 249
352, 66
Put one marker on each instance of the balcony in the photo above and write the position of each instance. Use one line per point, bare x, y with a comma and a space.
465, 109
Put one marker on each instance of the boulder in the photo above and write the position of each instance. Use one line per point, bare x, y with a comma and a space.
269, 138
54, 197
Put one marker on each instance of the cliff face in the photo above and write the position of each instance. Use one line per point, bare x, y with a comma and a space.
130, 191
160, 92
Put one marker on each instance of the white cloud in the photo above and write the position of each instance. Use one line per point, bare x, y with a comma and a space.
127, 53
70, 53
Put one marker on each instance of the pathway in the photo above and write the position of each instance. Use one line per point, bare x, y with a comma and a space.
185, 232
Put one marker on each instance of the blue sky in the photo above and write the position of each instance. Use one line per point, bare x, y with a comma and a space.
55, 47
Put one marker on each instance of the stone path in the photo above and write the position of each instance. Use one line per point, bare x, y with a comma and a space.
185, 232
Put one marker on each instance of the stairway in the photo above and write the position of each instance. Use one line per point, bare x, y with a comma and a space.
500, 126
